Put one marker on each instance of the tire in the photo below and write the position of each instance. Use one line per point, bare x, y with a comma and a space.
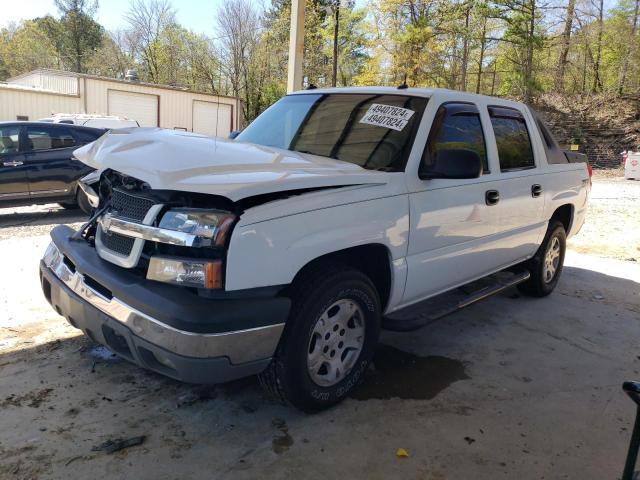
544, 279
83, 202
301, 371
69, 205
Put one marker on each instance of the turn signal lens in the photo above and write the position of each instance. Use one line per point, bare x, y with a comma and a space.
188, 273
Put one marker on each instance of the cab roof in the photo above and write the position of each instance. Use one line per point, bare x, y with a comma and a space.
411, 91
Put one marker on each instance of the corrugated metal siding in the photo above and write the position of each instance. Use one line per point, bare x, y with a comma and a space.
50, 81
91, 96
62, 84
175, 106
33, 104
28, 80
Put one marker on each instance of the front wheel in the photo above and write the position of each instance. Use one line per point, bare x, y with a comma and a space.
329, 339
546, 265
82, 202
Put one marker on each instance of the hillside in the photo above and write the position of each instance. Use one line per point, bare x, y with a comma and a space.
603, 125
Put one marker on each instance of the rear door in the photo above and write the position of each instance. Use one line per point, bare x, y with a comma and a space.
14, 184
51, 171
521, 183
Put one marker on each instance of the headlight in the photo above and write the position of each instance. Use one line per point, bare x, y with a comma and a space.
188, 273
51, 255
87, 183
213, 225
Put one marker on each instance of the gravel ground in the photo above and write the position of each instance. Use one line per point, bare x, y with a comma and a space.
511, 387
612, 228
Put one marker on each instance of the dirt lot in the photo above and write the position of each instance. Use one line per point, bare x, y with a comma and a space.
613, 226
509, 388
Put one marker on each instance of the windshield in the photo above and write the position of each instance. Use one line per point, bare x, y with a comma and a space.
374, 131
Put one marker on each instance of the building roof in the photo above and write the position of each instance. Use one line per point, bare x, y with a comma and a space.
62, 73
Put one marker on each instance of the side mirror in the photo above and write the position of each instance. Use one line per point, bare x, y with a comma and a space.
234, 134
453, 163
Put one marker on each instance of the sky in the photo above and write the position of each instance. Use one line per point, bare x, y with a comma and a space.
197, 15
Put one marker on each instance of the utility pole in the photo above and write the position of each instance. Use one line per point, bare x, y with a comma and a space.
296, 46
336, 27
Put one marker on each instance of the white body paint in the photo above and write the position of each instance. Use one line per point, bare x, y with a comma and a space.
439, 233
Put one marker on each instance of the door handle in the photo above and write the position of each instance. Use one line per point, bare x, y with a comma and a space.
491, 197
536, 190
14, 163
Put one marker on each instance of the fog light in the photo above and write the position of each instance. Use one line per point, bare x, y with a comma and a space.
188, 273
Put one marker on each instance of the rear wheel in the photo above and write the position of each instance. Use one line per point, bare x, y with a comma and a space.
329, 339
546, 265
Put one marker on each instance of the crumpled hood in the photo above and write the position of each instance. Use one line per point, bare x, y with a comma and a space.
176, 160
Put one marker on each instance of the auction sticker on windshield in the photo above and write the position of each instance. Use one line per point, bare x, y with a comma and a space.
387, 116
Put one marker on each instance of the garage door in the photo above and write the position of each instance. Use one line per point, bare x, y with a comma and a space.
213, 119
138, 106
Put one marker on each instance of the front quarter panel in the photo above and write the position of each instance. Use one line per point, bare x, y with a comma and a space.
272, 252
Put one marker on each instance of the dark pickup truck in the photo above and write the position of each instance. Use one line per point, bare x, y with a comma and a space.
37, 164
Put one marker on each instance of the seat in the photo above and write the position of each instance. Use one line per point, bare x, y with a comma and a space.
7, 145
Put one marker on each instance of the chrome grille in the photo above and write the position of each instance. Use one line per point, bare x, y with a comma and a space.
126, 205
118, 243
121, 249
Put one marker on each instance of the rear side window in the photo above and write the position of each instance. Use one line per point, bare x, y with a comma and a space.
555, 155
87, 136
45, 138
9, 140
512, 139
455, 126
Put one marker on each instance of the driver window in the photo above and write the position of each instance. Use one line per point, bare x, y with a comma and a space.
9, 140
455, 126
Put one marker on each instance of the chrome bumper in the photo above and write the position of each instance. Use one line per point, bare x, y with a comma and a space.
239, 346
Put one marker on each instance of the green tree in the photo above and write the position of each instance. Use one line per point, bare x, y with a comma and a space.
25, 47
76, 34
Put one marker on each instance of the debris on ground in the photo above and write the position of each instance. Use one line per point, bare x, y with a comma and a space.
402, 453
102, 353
196, 395
35, 398
112, 446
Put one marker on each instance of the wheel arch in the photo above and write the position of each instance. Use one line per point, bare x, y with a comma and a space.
564, 214
372, 259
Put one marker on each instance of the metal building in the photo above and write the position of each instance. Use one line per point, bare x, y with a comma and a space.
41, 93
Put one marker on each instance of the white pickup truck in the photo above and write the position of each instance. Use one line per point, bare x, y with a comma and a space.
335, 213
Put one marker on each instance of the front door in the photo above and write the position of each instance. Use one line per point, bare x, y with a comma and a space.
454, 228
14, 185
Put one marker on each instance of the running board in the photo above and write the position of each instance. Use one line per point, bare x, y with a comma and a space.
428, 311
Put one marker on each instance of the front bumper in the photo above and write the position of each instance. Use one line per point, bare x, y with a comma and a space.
96, 297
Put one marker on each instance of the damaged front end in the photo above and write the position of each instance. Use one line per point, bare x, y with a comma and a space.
167, 236
145, 277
